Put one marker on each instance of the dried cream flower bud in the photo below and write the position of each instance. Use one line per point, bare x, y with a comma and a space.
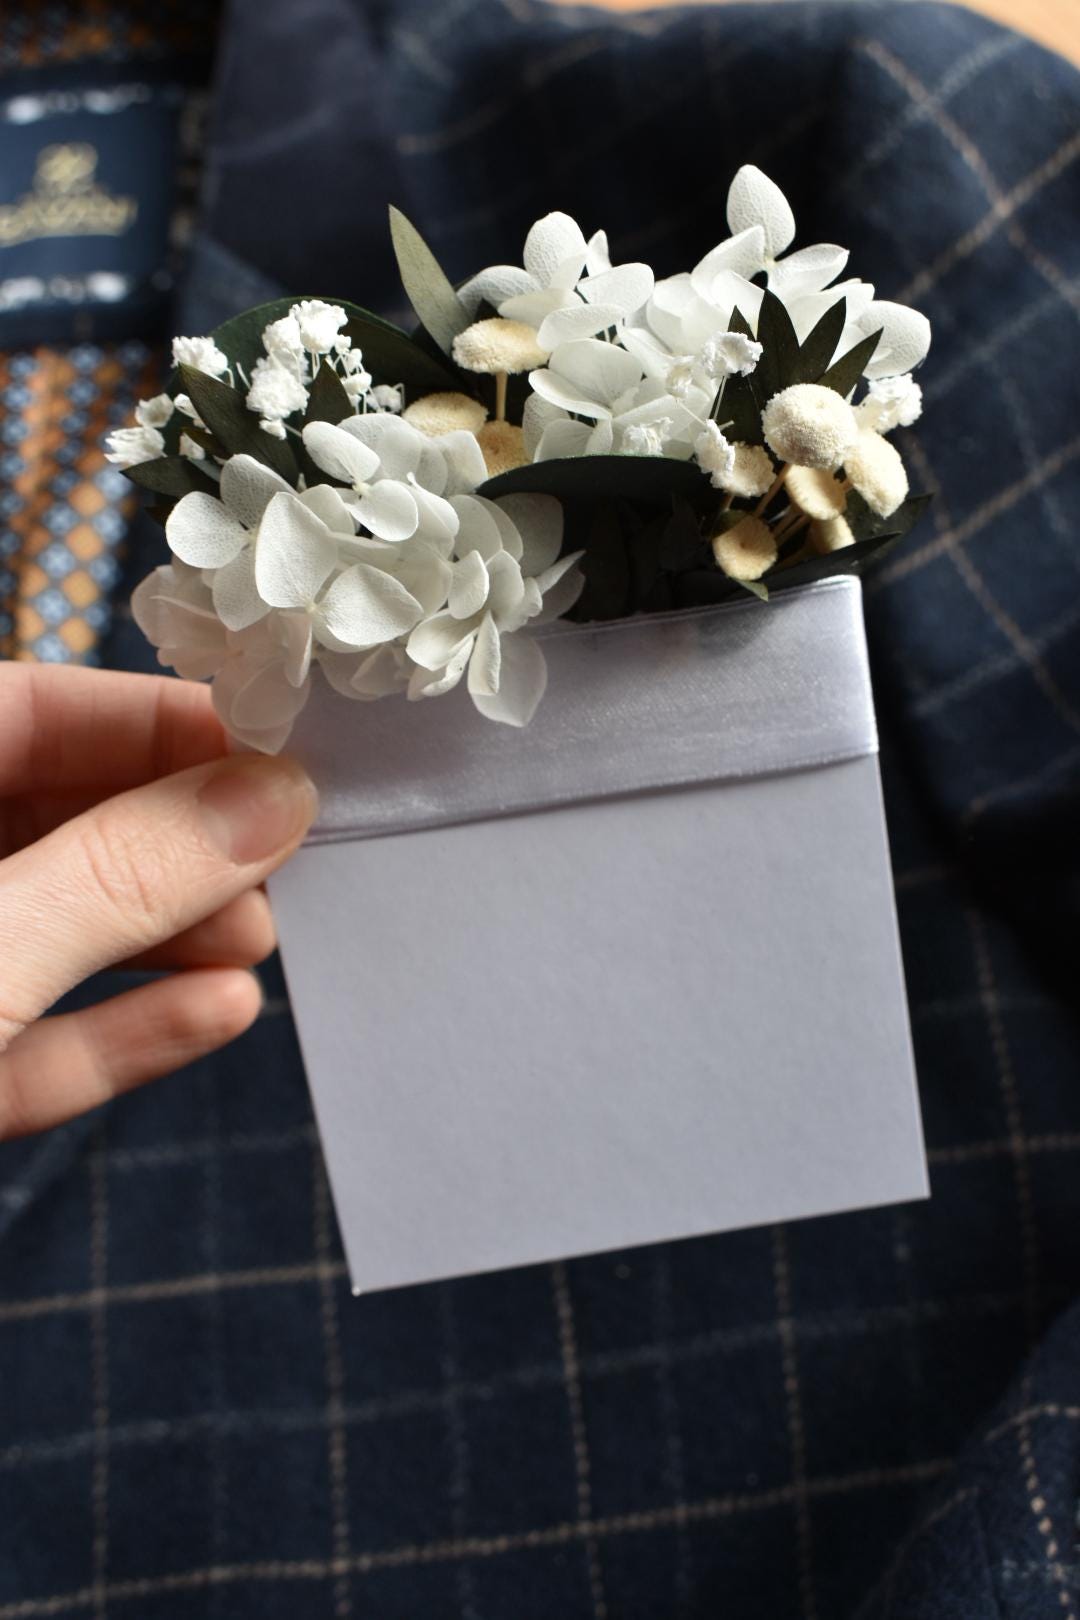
747, 550
815, 491
751, 474
810, 425
876, 471
831, 534
499, 345
502, 446
436, 414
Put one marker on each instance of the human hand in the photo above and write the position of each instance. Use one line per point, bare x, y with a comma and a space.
127, 836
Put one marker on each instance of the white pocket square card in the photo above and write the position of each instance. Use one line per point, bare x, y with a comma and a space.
557, 601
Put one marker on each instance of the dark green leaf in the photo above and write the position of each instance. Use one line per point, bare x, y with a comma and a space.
819, 344
849, 560
327, 399
682, 543
436, 303
865, 524
739, 413
655, 479
223, 410
201, 437
779, 361
606, 567
844, 373
171, 475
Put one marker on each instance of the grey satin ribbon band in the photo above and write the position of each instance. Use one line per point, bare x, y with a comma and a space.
663, 700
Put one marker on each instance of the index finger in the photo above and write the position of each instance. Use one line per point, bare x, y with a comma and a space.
63, 728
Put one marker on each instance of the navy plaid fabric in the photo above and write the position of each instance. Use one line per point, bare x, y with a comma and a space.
873, 1415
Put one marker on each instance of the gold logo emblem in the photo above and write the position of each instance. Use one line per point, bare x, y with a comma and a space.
66, 200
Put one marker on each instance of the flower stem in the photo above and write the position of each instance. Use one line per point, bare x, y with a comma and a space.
501, 379
771, 491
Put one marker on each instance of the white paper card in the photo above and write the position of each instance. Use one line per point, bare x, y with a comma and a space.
605, 1024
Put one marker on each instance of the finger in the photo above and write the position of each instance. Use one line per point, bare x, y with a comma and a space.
74, 1061
139, 869
63, 727
239, 935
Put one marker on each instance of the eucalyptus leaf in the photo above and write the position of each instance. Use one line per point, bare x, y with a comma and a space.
655, 479
223, 410
171, 475
606, 567
849, 560
430, 292
682, 544
843, 375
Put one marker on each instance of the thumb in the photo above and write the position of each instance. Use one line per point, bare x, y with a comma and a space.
139, 868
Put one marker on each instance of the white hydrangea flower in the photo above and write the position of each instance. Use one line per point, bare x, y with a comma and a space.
127, 447
506, 572
189, 448
282, 341
174, 609
646, 438
276, 391
567, 289
154, 413
319, 324
201, 353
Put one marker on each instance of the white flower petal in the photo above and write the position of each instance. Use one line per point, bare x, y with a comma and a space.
538, 413
365, 606
464, 459
398, 446
586, 377
533, 308
468, 586
493, 286
553, 248
522, 681
295, 632
433, 683
338, 453
597, 254
626, 288
236, 596
577, 320
201, 532
437, 521
506, 588
808, 271
539, 521
479, 527
254, 695
560, 588
388, 510
485, 661
904, 342
247, 488
563, 438
326, 503
744, 254
424, 572
295, 554
754, 199
433, 643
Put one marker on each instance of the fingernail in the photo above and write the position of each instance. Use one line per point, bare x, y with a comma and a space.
253, 806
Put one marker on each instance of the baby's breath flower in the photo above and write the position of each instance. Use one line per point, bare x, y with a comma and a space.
127, 447
388, 397
319, 324
727, 354
447, 412
646, 438
154, 413
831, 534
186, 408
282, 342
716, 456
815, 491
890, 402
189, 448
875, 469
498, 345
745, 551
201, 353
275, 391
809, 425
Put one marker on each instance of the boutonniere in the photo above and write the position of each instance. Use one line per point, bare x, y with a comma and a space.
564, 438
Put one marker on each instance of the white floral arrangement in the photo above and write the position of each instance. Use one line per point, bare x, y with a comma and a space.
400, 511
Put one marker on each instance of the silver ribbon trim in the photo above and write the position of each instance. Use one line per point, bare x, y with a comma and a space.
633, 705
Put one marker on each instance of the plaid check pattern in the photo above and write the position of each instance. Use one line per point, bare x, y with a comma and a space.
875, 1415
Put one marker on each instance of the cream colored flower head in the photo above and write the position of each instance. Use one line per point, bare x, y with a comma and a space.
809, 425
